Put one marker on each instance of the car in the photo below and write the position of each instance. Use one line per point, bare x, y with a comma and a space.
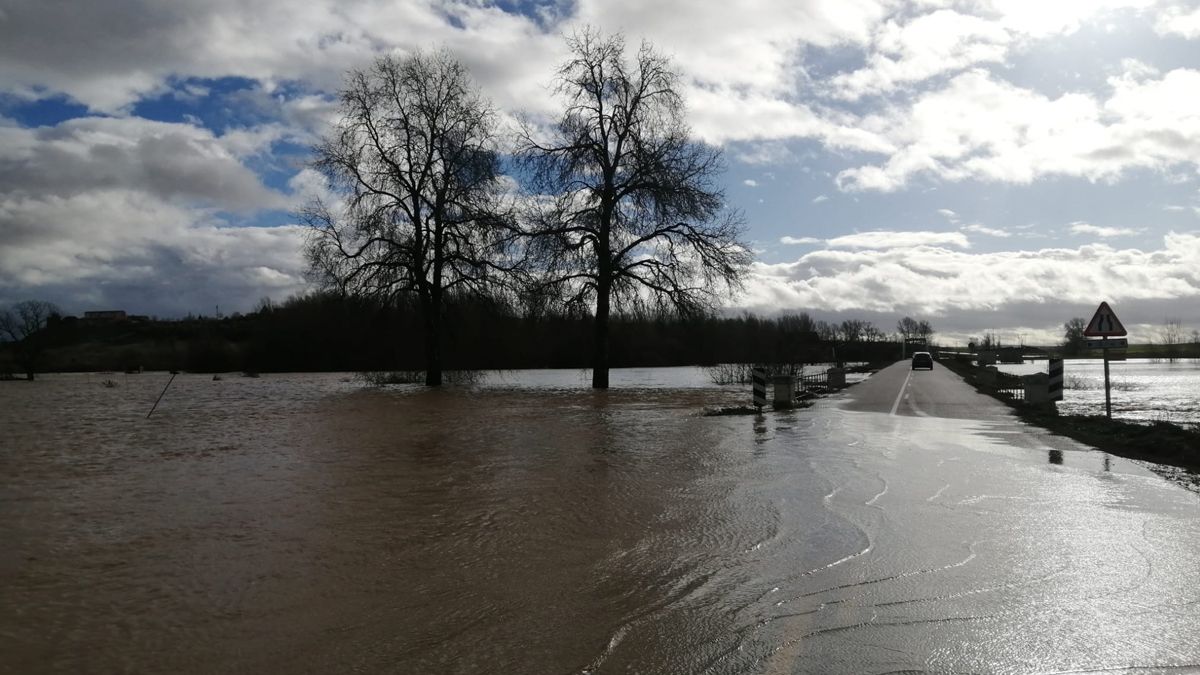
922, 360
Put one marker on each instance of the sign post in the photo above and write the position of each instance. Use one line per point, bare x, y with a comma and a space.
1105, 324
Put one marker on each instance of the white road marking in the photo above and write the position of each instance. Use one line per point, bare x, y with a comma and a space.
899, 396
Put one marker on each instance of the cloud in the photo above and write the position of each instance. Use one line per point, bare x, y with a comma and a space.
127, 212
798, 240
1000, 289
820, 198
1080, 227
892, 240
928, 45
1179, 20
979, 128
750, 182
721, 114
109, 55
170, 161
128, 249
989, 231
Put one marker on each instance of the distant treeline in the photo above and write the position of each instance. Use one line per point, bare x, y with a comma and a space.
325, 332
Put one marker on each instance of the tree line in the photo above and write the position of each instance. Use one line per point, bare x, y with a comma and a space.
326, 331
1170, 340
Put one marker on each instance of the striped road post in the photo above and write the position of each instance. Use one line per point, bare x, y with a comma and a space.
759, 376
1056, 380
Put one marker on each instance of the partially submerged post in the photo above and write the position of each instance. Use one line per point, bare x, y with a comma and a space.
785, 391
164, 392
835, 378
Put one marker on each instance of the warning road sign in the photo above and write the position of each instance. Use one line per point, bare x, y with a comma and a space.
1105, 324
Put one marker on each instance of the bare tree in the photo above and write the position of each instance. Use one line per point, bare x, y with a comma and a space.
1171, 336
910, 328
414, 167
633, 214
1074, 341
24, 325
858, 330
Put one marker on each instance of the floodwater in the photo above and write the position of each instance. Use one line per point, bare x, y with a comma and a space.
303, 523
1143, 390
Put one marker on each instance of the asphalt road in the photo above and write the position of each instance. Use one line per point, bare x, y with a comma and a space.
897, 390
986, 545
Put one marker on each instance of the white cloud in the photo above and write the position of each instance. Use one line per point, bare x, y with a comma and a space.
112, 210
116, 245
1011, 288
1179, 20
989, 231
721, 114
750, 182
171, 161
746, 46
892, 240
798, 240
820, 198
928, 45
979, 128
1037, 19
1079, 227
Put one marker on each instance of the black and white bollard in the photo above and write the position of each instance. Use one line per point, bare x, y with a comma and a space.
1055, 385
759, 377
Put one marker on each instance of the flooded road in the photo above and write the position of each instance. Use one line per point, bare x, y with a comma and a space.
306, 524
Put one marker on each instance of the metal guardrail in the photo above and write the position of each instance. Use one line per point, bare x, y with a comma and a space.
1010, 385
817, 382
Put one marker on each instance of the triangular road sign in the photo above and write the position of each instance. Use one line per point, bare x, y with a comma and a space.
1105, 324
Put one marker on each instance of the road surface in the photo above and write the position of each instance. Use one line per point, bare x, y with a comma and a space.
986, 545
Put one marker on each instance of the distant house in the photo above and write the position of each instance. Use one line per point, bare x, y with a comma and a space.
106, 315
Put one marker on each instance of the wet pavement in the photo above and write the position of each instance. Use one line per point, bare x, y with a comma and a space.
305, 524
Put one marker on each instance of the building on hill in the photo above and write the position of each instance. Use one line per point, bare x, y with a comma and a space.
105, 315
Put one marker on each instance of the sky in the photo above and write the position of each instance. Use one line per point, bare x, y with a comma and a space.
988, 165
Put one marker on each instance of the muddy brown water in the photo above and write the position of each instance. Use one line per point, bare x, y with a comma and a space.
304, 523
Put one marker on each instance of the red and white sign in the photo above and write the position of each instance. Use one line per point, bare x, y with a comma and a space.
1105, 324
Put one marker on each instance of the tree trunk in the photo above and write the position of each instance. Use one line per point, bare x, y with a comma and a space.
600, 347
433, 356
431, 308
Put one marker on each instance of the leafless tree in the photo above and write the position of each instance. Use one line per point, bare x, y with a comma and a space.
24, 325
413, 163
859, 330
910, 328
1171, 336
872, 333
632, 213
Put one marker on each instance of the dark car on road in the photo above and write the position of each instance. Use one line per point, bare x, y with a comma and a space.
922, 360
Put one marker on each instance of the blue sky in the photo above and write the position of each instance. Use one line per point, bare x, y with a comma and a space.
990, 165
